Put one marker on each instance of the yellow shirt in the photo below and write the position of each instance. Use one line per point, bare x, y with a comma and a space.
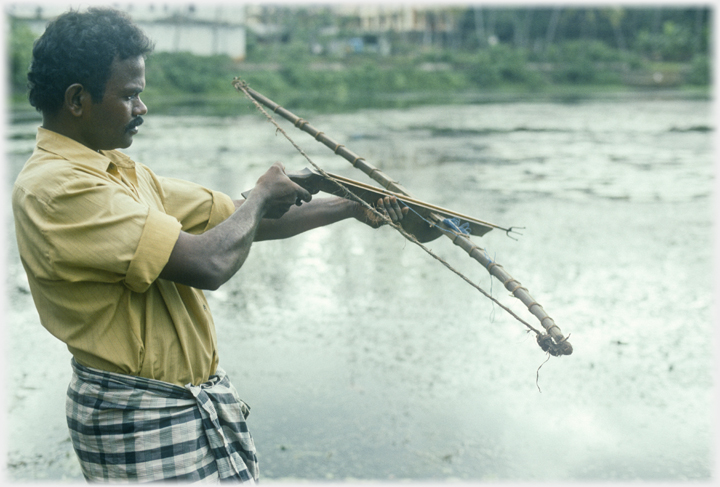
94, 231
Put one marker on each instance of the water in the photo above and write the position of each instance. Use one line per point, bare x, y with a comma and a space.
363, 358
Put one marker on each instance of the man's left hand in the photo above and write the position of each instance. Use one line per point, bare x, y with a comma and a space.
387, 206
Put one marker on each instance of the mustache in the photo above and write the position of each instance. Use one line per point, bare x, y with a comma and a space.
136, 122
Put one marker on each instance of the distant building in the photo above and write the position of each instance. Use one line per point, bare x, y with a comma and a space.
400, 18
376, 23
203, 29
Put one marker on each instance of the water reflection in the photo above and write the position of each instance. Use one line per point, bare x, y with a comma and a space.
364, 359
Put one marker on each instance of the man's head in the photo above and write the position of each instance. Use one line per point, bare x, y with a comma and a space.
80, 48
87, 72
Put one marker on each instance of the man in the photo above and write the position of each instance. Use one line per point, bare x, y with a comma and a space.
117, 256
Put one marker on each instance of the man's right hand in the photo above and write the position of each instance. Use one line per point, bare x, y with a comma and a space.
278, 191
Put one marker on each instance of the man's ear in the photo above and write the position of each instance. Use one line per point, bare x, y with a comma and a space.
76, 98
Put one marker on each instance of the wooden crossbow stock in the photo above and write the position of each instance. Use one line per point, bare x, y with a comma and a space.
424, 222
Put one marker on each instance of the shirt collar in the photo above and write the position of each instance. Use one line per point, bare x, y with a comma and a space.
73, 150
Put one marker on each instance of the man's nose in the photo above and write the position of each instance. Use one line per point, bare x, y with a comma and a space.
139, 108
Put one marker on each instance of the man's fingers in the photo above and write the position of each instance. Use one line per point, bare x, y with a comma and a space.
397, 213
305, 194
301, 194
380, 206
390, 207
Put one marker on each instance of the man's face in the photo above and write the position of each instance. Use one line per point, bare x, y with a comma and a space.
112, 123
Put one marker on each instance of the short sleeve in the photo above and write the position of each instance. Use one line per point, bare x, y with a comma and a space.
95, 232
197, 208
160, 233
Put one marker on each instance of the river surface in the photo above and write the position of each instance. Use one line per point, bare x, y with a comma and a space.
365, 359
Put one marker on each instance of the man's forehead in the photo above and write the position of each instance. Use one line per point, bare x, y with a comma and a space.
130, 70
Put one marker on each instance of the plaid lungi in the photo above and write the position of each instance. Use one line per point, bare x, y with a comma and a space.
126, 428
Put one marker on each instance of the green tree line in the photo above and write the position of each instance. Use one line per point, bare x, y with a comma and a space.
319, 60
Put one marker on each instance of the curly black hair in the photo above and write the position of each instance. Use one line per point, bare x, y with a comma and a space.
80, 48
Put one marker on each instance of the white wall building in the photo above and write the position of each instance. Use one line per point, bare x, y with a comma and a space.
203, 29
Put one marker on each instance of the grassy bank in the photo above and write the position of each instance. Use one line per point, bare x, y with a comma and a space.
304, 104
186, 83
295, 79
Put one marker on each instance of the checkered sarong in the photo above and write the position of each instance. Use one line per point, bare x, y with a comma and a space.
126, 428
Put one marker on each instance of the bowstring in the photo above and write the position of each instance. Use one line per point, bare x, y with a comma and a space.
242, 85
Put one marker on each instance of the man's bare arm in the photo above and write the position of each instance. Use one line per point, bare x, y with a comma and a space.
321, 212
208, 260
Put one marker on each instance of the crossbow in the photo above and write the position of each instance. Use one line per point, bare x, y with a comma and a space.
424, 223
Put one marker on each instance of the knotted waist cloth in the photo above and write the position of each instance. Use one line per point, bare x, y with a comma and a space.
126, 428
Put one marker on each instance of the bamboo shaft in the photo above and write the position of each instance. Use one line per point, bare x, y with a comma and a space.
514, 286
560, 347
339, 149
